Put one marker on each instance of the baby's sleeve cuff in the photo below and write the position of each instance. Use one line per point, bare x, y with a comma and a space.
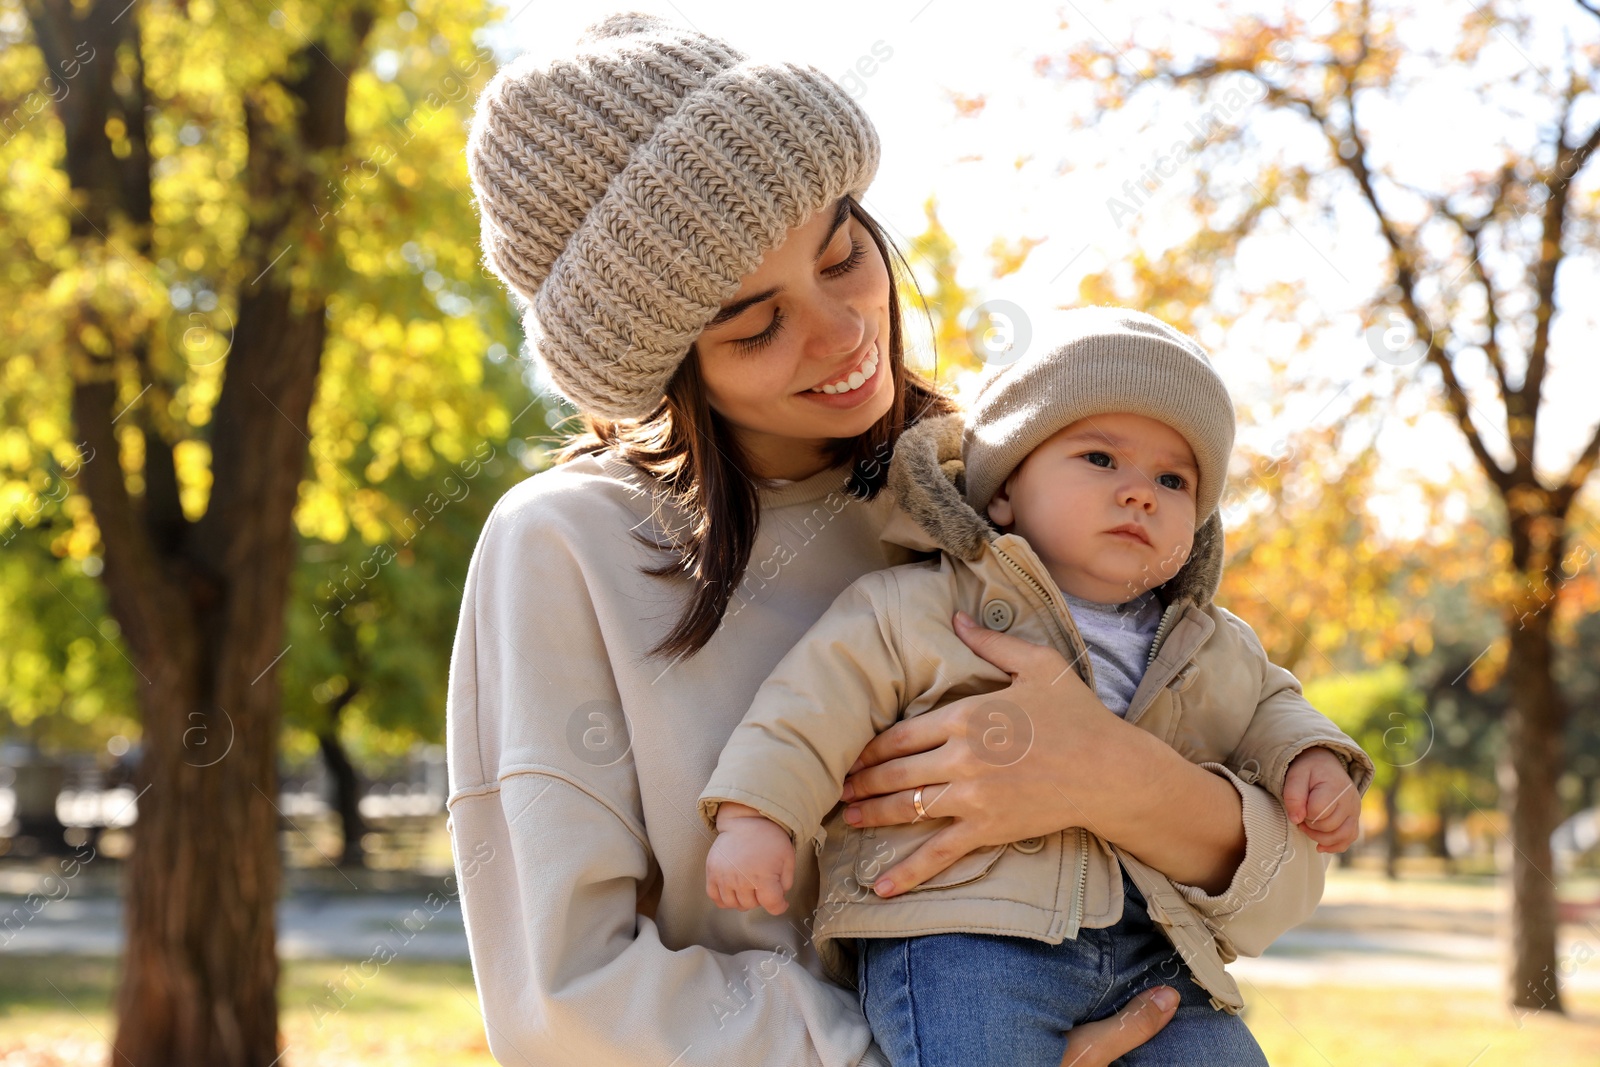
1266, 839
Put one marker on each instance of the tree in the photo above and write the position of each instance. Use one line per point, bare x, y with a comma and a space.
66, 683
949, 304
967, 332
221, 224
1580, 665
377, 619
1309, 567
1467, 289
1378, 708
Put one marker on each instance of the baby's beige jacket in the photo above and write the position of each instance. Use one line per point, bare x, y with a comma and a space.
886, 650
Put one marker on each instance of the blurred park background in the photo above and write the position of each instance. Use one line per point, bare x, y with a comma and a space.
259, 397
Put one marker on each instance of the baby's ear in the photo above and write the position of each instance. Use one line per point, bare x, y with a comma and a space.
1000, 509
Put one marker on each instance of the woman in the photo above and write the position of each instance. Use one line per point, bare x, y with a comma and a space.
684, 228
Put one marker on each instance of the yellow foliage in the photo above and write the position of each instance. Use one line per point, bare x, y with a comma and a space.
192, 460
1008, 257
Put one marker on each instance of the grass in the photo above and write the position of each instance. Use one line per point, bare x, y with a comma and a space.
56, 1012
1334, 1027
423, 1014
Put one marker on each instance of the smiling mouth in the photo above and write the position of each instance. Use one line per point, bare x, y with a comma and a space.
856, 378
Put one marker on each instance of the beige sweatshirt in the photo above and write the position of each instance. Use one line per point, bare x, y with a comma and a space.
561, 827
579, 850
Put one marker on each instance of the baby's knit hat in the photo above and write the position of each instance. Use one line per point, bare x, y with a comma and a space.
1113, 359
628, 186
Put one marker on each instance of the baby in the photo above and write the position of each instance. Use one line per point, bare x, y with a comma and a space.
1099, 465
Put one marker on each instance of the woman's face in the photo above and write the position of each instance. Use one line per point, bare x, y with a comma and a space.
799, 355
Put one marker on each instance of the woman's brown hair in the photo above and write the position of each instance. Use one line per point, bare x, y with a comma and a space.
692, 454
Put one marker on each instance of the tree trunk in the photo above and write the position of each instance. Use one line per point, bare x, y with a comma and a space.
1534, 742
200, 972
200, 603
346, 783
1391, 827
1444, 811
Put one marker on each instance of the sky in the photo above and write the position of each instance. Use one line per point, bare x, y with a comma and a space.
1023, 168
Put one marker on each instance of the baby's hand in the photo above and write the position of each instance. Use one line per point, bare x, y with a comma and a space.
751, 863
1320, 798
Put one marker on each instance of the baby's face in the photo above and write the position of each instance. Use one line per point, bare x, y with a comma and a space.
1083, 498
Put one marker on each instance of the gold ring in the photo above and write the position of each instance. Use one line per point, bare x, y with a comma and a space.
916, 802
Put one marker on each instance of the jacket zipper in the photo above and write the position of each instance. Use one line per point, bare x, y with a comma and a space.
1076, 919
1055, 613
1075, 914
1163, 628
1167, 616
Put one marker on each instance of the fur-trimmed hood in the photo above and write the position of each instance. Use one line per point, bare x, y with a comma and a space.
928, 479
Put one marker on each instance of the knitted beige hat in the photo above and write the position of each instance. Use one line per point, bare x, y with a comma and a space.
627, 187
1112, 360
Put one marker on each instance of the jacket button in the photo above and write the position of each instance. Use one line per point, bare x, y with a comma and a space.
997, 615
1028, 845
1184, 679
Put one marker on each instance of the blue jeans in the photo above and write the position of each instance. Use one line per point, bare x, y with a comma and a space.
970, 1000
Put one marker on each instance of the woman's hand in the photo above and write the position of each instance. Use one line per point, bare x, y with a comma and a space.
995, 763
1097, 1044
1040, 756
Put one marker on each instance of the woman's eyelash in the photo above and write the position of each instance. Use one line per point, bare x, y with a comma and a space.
845, 266
765, 337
